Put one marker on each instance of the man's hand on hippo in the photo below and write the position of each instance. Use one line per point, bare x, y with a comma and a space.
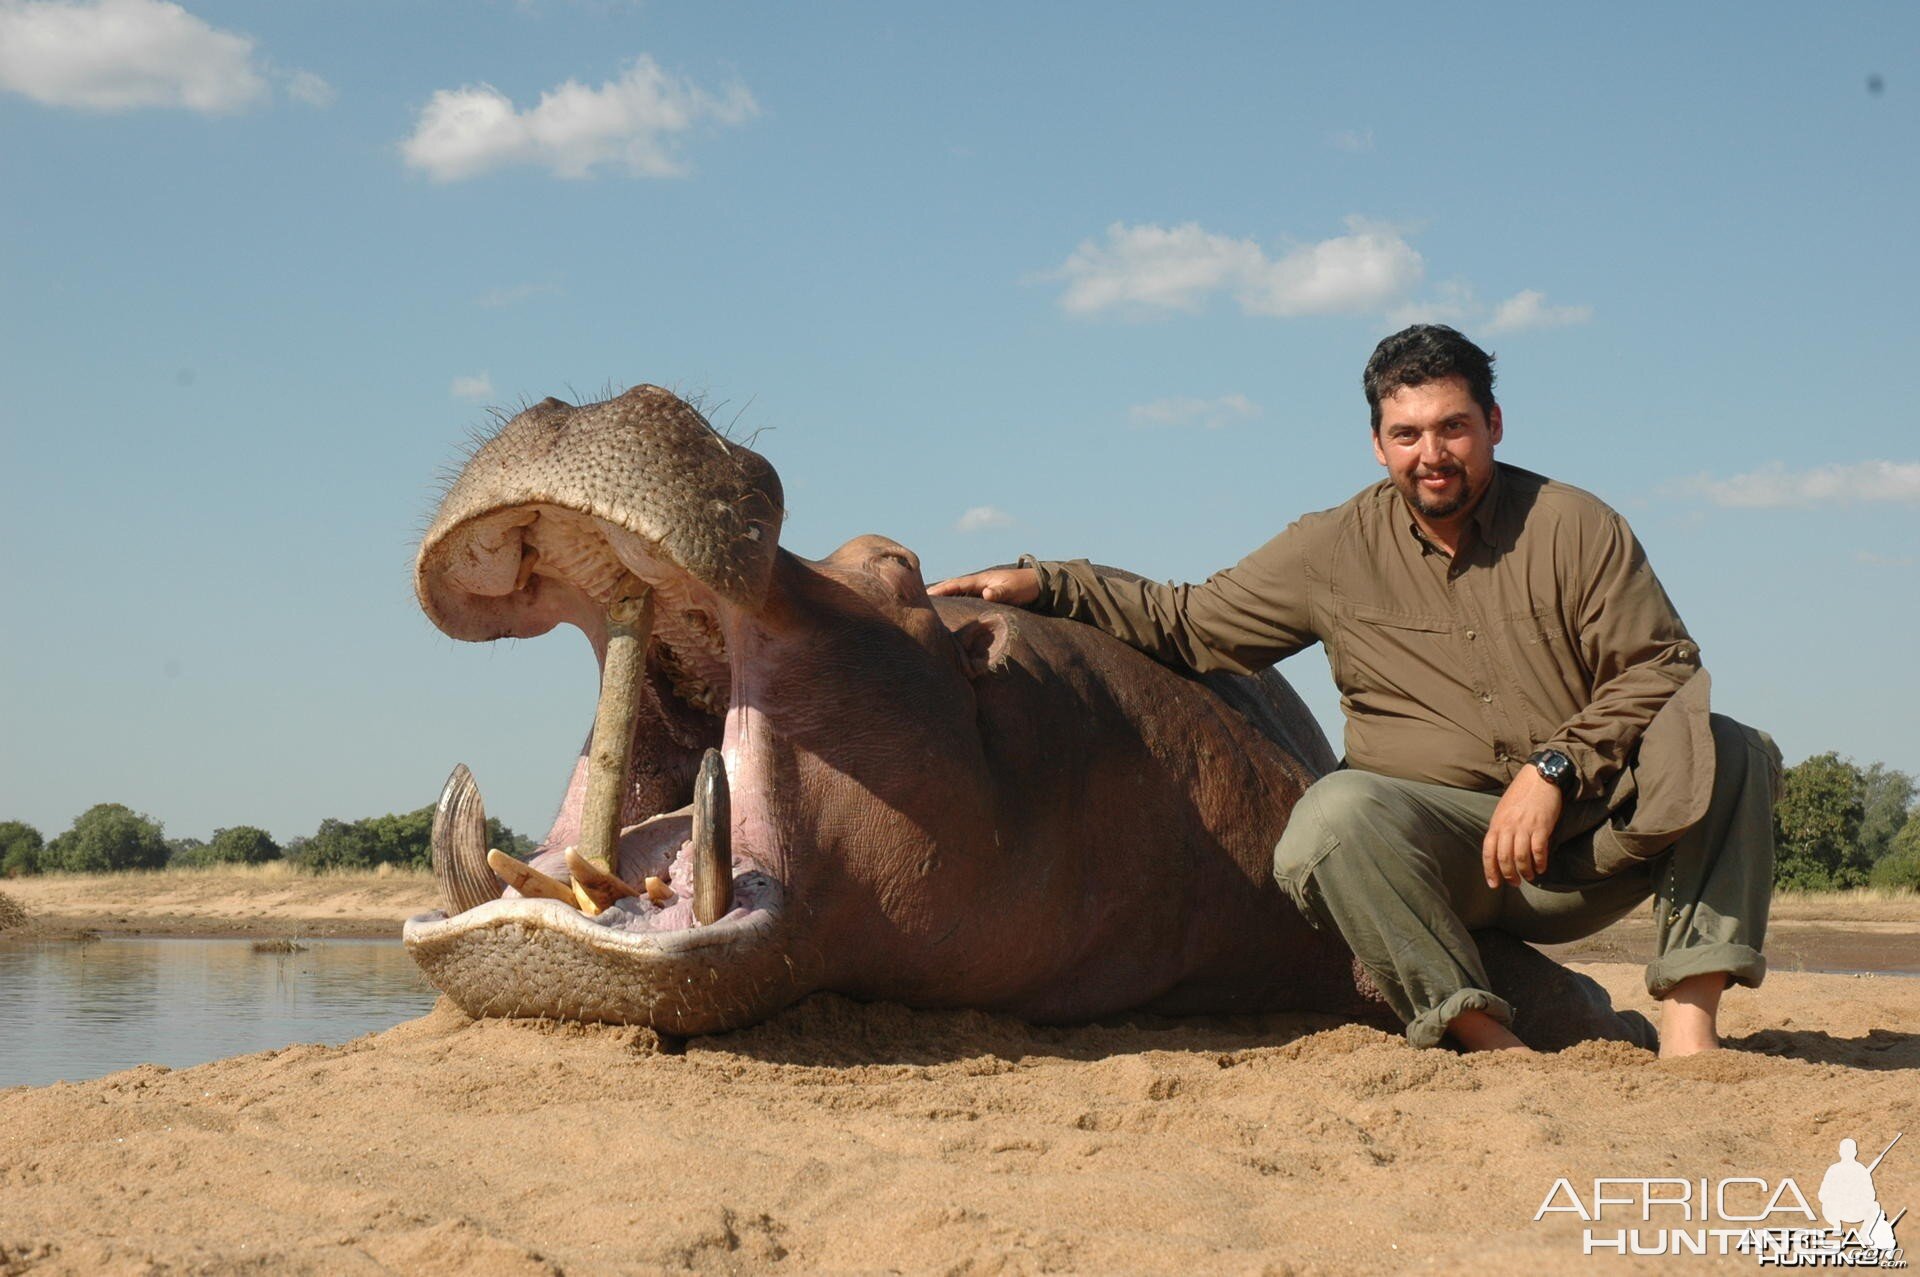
1018, 586
1518, 836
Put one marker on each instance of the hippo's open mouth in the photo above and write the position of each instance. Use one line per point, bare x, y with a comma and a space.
660, 895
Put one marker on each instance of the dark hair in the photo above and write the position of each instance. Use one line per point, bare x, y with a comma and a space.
1427, 352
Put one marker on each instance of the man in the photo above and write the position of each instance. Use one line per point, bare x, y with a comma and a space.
1528, 741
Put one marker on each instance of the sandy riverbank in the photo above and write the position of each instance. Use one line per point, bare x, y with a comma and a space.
850, 1138
262, 901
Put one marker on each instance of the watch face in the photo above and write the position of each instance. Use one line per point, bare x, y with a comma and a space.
1554, 765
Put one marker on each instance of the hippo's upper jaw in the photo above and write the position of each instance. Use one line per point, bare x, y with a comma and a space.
562, 516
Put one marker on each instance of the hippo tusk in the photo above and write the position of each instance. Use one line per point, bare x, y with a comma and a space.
460, 844
712, 841
527, 880
594, 884
629, 621
658, 891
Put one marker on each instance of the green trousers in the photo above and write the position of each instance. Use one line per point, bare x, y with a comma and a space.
1395, 867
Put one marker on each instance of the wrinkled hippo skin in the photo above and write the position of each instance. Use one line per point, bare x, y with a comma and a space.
944, 803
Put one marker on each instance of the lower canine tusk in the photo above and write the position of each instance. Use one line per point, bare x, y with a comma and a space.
629, 620
460, 844
712, 841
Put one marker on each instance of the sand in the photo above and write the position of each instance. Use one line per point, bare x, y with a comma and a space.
850, 1138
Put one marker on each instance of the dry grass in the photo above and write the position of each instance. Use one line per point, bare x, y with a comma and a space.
1862, 904
12, 913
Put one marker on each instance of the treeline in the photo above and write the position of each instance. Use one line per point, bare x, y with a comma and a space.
1838, 825
110, 837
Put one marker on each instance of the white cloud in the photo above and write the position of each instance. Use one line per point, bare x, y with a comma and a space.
473, 389
1147, 267
982, 517
1776, 487
305, 86
1358, 141
1207, 414
1528, 309
629, 123
119, 55
1884, 560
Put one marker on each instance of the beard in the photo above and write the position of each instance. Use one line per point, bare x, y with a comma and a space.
1439, 507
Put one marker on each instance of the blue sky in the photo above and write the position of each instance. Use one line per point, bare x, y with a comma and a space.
1069, 279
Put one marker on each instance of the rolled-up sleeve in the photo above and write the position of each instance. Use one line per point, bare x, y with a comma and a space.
1638, 651
1240, 619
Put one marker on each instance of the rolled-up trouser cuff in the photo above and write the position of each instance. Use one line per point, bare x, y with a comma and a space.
1429, 1027
1741, 964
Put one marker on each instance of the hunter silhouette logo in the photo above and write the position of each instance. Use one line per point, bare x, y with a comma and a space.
1847, 1197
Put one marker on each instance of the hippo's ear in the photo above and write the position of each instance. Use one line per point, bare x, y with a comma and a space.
984, 643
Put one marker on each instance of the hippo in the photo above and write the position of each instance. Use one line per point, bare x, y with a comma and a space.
807, 775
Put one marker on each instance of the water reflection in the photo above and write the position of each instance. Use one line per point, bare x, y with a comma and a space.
73, 1011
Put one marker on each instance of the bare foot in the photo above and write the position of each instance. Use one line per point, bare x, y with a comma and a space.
1688, 1023
1478, 1031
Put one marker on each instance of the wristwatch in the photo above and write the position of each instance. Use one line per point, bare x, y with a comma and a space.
1556, 767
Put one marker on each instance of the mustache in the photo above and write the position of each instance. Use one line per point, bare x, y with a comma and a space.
1441, 473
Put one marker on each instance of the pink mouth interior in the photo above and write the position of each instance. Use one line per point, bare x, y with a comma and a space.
698, 639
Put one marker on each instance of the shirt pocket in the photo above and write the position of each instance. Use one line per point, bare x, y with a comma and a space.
1549, 671
1387, 656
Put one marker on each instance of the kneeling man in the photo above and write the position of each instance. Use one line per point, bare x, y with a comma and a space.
1528, 742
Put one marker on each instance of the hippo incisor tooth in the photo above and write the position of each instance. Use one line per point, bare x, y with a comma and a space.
527, 880
658, 891
712, 841
629, 621
594, 884
460, 844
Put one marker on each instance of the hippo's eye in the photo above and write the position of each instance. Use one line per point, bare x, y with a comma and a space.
901, 559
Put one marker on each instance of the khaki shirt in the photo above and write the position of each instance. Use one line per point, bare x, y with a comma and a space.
1548, 631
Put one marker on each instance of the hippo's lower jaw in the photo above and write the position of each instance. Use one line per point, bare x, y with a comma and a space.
543, 958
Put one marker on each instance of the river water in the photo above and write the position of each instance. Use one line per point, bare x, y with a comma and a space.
71, 1011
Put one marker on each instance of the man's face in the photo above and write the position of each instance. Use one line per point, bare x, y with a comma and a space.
1437, 446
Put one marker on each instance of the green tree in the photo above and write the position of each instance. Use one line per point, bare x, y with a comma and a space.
20, 848
1816, 827
186, 851
397, 838
108, 837
335, 845
1889, 805
404, 838
1900, 867
242, 845
239, 845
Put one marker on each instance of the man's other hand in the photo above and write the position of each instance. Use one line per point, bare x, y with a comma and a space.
1018, 586
1518, 838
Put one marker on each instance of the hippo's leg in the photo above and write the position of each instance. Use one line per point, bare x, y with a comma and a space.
1554, 1007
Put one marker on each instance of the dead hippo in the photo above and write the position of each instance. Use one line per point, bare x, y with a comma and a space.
944, 804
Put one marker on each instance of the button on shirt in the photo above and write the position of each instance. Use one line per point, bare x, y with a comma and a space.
1548, 630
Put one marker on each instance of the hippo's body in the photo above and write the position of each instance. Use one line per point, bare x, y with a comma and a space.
941, 803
